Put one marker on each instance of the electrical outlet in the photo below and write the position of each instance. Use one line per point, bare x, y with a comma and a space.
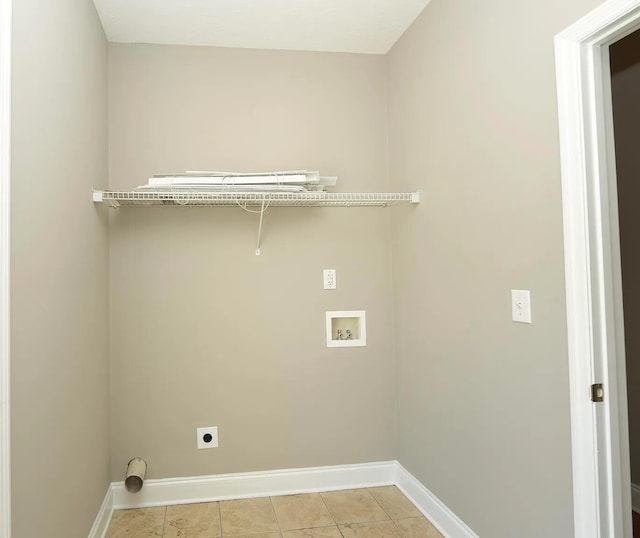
207, 437
329, 276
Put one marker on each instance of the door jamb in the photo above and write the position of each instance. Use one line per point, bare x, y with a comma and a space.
5, 171
599, 432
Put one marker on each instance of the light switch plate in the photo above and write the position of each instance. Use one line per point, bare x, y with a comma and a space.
521, 306
329, 276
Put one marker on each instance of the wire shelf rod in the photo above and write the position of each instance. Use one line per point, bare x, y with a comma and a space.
254, 199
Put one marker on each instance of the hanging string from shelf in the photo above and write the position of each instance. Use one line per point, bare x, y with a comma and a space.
261, 212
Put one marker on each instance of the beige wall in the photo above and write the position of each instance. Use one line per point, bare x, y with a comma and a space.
625, 86
59, 270
483, 407
203, 332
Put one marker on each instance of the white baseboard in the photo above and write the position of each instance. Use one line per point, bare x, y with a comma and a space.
260, 484
100, 525
635, 498
433, 509
170, 491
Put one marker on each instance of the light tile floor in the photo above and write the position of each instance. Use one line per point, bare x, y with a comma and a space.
357, 513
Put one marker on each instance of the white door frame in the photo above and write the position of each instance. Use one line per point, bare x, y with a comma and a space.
599, 431
5, 171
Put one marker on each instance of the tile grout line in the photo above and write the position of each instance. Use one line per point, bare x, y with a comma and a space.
397, 527
395, 521
275, 515
378, 503
164, 520
385, 513
220, 517
363, 522
330, 514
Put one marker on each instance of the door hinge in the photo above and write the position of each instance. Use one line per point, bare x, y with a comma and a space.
597, 392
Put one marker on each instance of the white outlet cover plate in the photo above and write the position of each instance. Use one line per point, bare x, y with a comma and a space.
329, 276
521, 306
201, 432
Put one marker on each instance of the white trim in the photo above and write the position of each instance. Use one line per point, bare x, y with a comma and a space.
432, 508
101, 524
596, 348
259, 484
635, 497
5, 172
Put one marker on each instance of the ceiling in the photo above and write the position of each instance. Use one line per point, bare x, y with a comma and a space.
362, 26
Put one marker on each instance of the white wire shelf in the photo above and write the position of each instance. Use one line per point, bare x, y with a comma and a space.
254, 199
